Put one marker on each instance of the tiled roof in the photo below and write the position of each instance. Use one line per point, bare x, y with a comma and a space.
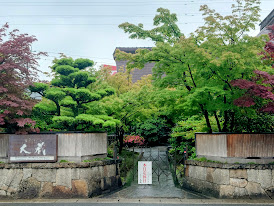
113, 68
269, 20
136, 73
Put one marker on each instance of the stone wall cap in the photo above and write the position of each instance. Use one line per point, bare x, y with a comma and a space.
230, 165
58, 165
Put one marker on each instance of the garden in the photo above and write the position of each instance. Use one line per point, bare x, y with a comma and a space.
219, 79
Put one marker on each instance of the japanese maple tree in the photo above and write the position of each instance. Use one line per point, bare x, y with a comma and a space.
202, 66
17, 71
259, 90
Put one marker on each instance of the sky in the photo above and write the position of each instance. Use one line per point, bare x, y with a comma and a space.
89, 28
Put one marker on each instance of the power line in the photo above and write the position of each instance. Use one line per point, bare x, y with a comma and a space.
117, 2
50, 58
82, 24
87, 24
50, 52
100, 16
87, 4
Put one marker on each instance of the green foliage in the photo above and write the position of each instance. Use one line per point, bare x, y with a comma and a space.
66, 70
110, 151
68, 102
99, 121
83, 63
97, 159
166, 29
55, 94
64, 123
87, 161
154, 130
42, 114
249, 120
203, 65
203, 159
62, 61
129, 161
81, 79
183, 134
45, 107
64, 161
72, 94
81, 96
39, 87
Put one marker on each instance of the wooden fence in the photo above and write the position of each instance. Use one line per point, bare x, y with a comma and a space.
235, 145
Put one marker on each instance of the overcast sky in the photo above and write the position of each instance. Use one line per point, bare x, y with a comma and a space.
89, 28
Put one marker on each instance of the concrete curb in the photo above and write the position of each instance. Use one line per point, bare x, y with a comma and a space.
149, 200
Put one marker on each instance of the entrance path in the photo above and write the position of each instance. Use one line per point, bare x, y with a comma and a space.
164, 188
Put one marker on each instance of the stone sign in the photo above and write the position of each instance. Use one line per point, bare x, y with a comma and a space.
144, 172
33, 148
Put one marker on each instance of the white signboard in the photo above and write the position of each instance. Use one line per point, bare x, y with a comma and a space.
144, 172
31, 158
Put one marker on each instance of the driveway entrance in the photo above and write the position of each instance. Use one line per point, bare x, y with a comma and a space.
162, 182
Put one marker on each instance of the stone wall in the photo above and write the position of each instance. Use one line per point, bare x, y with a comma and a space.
230, 180
58, 180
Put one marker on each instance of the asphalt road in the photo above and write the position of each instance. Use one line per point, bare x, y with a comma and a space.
121, 204
136, 202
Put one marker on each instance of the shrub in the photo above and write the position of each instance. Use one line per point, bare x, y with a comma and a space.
134, 140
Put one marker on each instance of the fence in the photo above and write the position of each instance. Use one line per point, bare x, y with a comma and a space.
111, 139
177, 163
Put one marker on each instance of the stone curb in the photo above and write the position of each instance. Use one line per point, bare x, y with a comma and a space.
147, 200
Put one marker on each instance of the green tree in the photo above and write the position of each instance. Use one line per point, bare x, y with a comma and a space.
71, 92
202, 65
154, 130
129, 107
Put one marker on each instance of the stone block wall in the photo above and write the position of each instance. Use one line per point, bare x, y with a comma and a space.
58, 180
230, 180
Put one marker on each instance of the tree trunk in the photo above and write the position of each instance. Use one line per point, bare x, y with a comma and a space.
120, 134
205, 112
226, 118
218, 122
58, 109
232, 121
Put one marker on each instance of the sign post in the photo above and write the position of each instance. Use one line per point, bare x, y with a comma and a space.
33, 148
144, 172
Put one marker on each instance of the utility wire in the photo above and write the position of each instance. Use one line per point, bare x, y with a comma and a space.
76, 4
50, 52
100, 16
42, 24
119, 2
76, 1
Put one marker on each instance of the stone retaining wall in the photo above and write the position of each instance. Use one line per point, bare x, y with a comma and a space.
230, 180
58, 180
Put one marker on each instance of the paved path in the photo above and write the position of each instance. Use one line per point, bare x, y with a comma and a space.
164, 188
